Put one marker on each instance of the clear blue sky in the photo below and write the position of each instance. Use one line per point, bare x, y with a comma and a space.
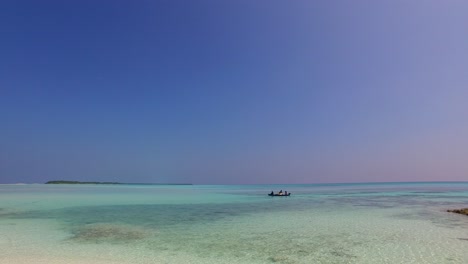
234, 91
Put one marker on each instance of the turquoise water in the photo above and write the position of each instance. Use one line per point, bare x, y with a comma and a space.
323, 223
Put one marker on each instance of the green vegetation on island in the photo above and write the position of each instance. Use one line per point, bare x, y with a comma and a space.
78, 182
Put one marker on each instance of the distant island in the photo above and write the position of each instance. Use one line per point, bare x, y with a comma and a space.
79, 182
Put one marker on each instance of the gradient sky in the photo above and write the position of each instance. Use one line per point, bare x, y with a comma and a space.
227, 92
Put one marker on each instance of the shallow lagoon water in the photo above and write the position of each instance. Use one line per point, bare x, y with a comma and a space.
323, 223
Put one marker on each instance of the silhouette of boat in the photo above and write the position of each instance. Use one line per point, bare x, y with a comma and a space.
275, 194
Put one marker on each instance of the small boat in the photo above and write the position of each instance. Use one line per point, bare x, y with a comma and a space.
276, 194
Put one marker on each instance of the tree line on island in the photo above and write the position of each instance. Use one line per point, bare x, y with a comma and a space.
80, 182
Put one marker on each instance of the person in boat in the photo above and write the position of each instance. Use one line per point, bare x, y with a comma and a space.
286, 193
280, 192
272, 193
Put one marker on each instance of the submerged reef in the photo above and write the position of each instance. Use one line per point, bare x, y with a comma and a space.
6, 213
463, 211
108, 232
2, 212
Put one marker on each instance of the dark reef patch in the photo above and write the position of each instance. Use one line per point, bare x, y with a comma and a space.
5, 213
113, 233
463, 211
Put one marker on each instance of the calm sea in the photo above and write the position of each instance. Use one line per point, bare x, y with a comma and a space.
322, 223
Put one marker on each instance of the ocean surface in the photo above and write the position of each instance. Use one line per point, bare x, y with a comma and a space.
321, 223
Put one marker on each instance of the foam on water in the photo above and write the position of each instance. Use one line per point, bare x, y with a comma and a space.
377, 223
